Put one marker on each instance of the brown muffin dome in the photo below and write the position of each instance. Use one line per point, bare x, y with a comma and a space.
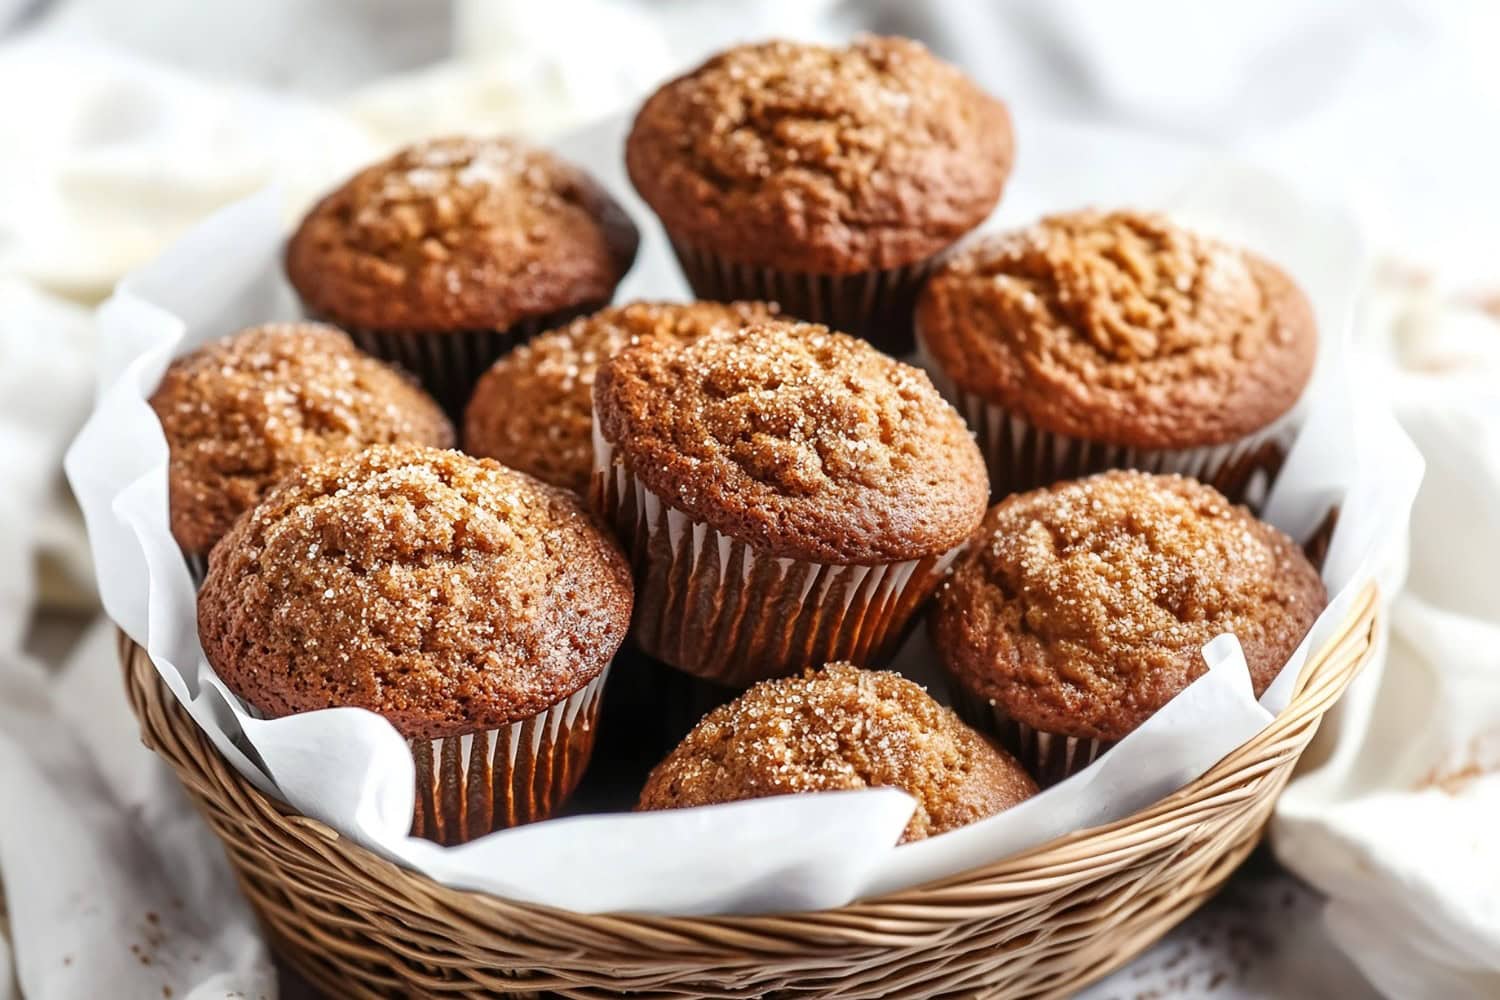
801, 442
533, 409
1121, 327
242, 412
460, 234
1083, 608
829, 160
447, 593
838, 729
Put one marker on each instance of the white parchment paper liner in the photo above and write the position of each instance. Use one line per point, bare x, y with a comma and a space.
476, 783
712, 606
351, 769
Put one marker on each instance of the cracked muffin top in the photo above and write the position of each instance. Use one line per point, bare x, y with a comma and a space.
447, 593
830, 160
1083, 608
801, 442
533, 409
240, 413
460, 234
1121, 327
838, 729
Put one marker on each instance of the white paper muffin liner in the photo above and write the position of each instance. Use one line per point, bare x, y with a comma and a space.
710, 605
1021, 456
875, 305
1049, 757
476, 783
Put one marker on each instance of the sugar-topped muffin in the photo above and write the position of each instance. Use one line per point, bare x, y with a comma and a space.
533, 409
241, 412
836, 729
780, 167
453, 250
1130, 337
1081, 609
451, 595
797, 471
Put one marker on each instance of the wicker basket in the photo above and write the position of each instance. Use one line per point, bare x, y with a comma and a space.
1040, 924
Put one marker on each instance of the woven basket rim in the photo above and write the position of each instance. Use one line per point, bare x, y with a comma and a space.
1323, 678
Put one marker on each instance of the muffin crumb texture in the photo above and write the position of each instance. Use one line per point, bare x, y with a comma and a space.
446, 593
460, 234
801, 441
533, 409
1121, 326
835, 729
240, 413
1083, 608
827, 160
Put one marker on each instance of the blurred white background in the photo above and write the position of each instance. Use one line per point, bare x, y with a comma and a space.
124, 123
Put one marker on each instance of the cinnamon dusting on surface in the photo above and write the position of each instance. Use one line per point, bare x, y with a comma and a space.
242, 412
446, 593
1083, 608
835, 729
807, 443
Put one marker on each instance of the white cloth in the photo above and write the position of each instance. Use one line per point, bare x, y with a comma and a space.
1385, 101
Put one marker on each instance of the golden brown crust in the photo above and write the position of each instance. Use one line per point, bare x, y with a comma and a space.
801, 442
1121, 327
1083, 608
838, 729
460, 234
829, 160
447, 593
533, 409
240, 413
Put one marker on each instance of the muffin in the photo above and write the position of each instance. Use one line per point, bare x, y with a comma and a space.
1083, 608
788, 496
533, 408
472, 606
1097, 340
824, 179
242, 412
451, 252
838, 729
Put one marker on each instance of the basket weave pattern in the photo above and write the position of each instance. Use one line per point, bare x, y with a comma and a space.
1039, 924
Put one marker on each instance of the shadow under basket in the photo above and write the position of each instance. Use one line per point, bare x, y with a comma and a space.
1039, 924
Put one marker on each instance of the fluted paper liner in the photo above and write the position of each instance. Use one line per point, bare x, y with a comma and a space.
712, 606
476, 783
1021, 456
1049, 757
448, 364
876, 305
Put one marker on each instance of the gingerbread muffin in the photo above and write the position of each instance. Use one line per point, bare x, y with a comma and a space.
789, 495
1096, 340
450, 252
824, 179
472, 606
1084, 608
242, 412
533, 408
839, 729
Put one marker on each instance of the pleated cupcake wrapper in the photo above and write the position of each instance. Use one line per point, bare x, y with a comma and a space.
1021, 456
711, 606
448, 364
875, 305
477, 783
1049, 757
